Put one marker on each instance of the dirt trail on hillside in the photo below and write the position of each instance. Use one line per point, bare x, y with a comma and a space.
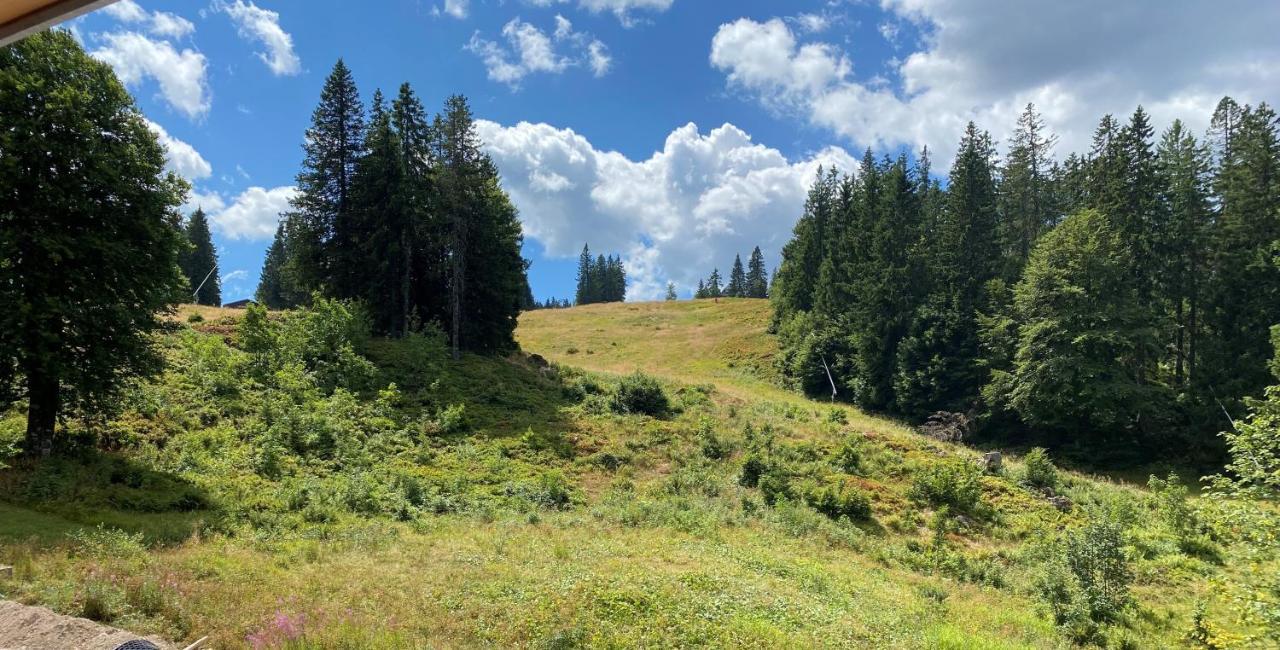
37, 628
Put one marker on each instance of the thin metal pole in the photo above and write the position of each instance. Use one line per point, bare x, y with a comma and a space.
195, 295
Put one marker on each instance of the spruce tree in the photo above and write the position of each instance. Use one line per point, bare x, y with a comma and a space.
584, 294
671, 291
377, 223
1183, 170
714, 290
273, 289
793, 282
737, 287
89, 235
322, 245
200, 262
757, 281
1026, 196
421, 251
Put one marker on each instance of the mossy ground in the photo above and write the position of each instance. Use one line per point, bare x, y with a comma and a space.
553, 521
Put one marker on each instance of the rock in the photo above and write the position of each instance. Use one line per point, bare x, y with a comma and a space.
991, 461
1063, 504
964, 522
537, 361
1047, 492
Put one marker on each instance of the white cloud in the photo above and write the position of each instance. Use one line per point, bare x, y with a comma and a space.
238, 274
126, 11
181, 158
456, 8
182, 76
160, 23
984, 61
253, 215
621, 8
688, 208
263, 25
812, 23
530, 50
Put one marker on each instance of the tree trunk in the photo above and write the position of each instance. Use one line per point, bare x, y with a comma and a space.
44, 397
405, 280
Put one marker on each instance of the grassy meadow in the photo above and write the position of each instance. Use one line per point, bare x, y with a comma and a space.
270, 502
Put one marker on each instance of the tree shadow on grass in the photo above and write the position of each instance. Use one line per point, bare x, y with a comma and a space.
44, 500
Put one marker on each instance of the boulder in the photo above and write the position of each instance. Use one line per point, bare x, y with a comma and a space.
1063, 504
991, 461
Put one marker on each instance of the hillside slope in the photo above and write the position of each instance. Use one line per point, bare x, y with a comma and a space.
495, 502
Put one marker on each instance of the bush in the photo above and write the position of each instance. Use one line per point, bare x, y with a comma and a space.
775, 486
1038, 470
955, 484
752, 470
713, 446
640, 394
1089, 585
849, 459
840, 500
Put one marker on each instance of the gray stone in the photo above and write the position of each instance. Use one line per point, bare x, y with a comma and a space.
991, 461
1063, 504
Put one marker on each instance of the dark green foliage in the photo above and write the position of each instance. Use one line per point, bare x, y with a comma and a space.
1096, 558
275, 285
1081, 332
737, 287
199, 262
640, 394
752, 469
601, 280
89, 234
1027, 202
757, 280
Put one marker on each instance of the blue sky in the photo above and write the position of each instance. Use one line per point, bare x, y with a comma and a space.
672, 132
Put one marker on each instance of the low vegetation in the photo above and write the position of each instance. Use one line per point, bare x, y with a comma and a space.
291, 481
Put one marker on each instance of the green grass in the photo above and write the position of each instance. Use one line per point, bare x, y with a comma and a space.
547, 519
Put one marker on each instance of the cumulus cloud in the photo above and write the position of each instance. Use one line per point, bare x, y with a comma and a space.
688, 208
181, 158
1075, 60
263, 26
160, 23
253, 215
530, 50
181, 75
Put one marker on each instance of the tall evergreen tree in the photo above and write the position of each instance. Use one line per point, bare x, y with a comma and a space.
585, 294
273, 286
714, 290
757, 281
420, 252
377, 222
671, 291
89, 235
793, 283
1244, 295
940, 361
322, 245
1026, 191
1183, 171
737, 287
200, 262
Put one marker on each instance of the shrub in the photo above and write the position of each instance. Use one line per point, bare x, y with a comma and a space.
713, 446
849, 459
775, 486
1090, 583
642, 395
956, 484
195, 317
840, 500
1038, 470
752, 470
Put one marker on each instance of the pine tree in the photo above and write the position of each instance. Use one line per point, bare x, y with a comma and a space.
319, 223
671, 291
1244, 295
701, 292
1183, 171
793, 282
600, 279
940, 363
89, 235
1026, 201
737, 287
714, 289
421, 251
200, 262
377, 223
757, 281
585, 294
273, 288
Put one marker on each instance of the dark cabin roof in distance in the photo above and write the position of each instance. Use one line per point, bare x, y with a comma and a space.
18, 18
240, 304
